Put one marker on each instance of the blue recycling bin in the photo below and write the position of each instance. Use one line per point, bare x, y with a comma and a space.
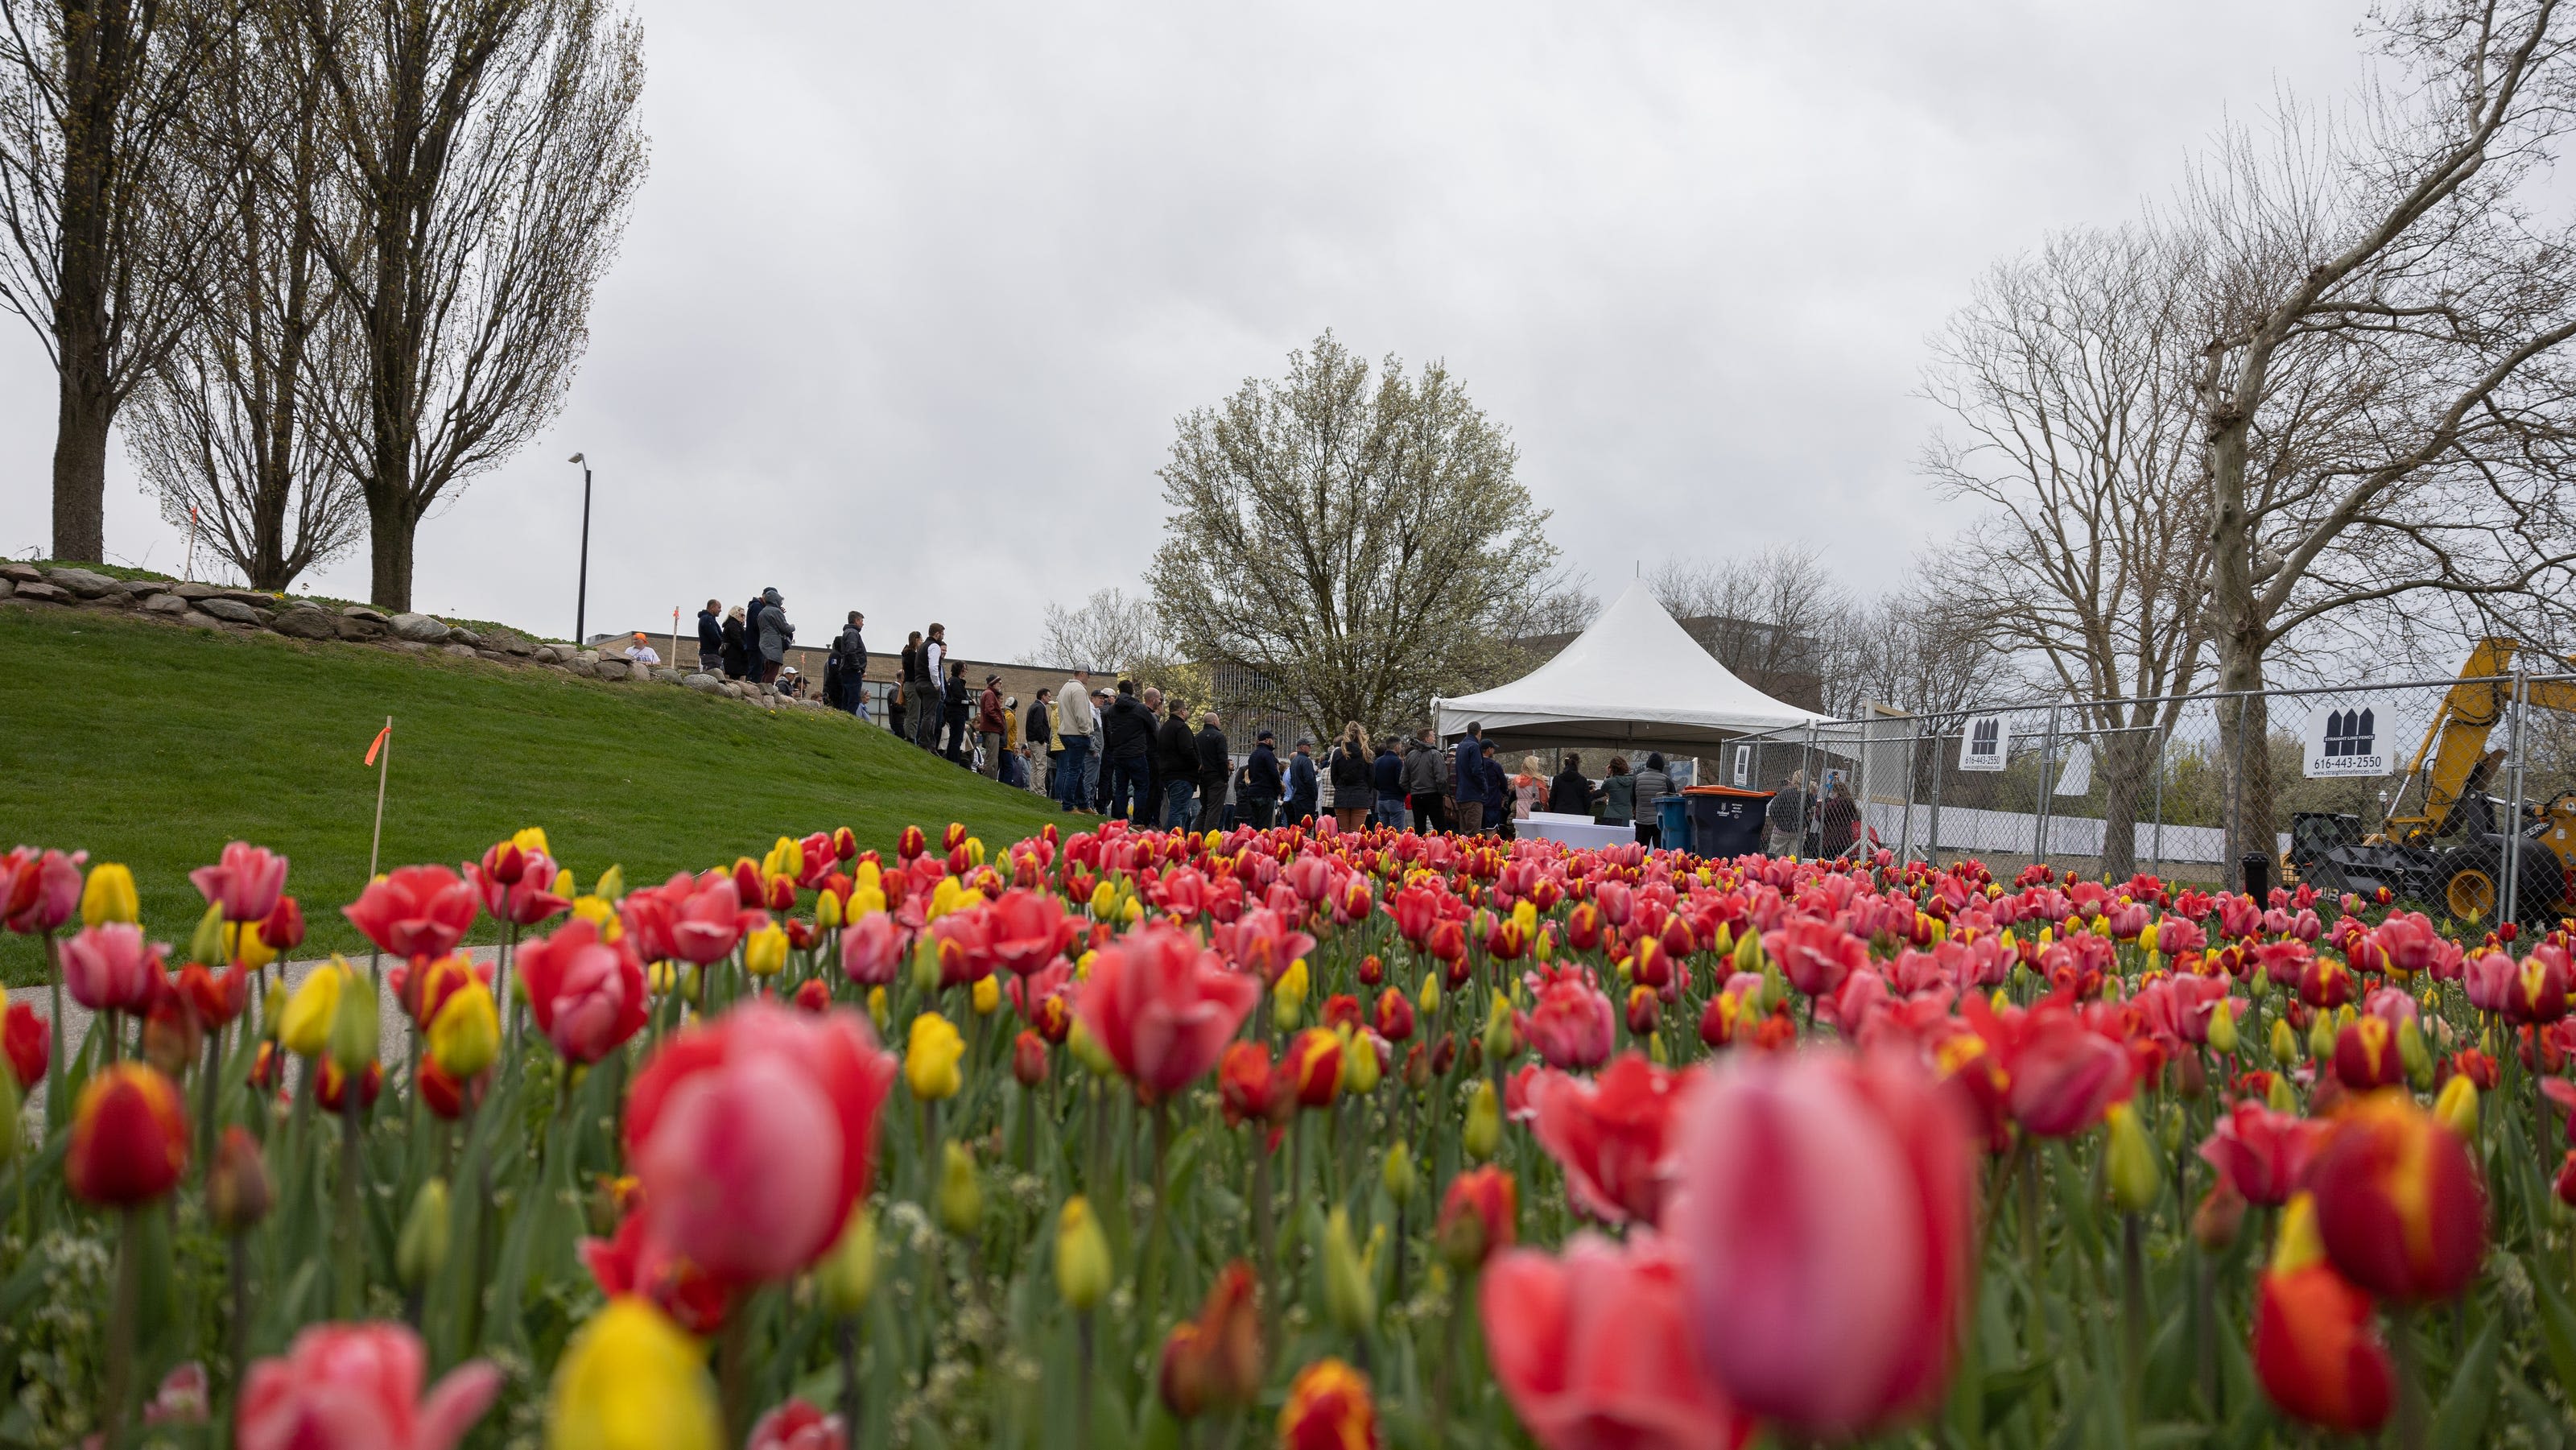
1672, 822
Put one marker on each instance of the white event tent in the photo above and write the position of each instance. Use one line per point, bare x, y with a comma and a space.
1634, 677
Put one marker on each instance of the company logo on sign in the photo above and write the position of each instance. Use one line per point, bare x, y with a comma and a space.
1985, 744
2348, 740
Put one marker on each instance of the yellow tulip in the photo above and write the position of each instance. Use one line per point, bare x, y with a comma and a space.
827, 911
633, 1380
532, 838
108, 896
877, 1007
2130, 1161
961, 1192
1081, 1256
242, 944
986, 995
847, 1276
1294, 983
612, 884
1103, 897
1360, 1070
465, 1036
930, 1059
2457, 1107
305, 1028
1484, 1130
1088, 1051
764, 952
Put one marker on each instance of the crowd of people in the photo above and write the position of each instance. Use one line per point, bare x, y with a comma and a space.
1129, 751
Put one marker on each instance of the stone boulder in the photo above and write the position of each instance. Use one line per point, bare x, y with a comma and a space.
231, 609
495, 656
86, 583
165, 604
668, 675
704, 684
609, 669
192, 592
361, 612
418, 628
459, 651
201, 621
305, 622
409, 646
17, 573
140, 589
583, 667
464, 636
359, 627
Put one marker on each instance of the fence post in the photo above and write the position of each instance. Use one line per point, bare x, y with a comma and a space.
1932, 828
1905, 823
1815, 791
2235, 846
2047, 789
2513, 807
2164, 738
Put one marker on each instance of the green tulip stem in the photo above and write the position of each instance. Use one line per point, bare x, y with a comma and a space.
2411, 1417
350, 1293
238, 1330
120, 1327
733, 1371
2133, 1314
845, 1344
1261, 1234
57, 1112
1082, 1377
1147, 1273
206, 1101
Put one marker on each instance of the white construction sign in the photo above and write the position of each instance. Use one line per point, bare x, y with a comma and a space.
2350, 738
1987, 741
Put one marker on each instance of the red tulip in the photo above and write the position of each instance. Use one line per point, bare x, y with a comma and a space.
2566, 1182
797, 1425
633, 1262
1313, 1066
358, 1387
1214, 1361
245, 882
26, 1035
1249, 1088
2315, 1350
2540, 987
2398, 1203
586, 995
528, 897
111, 968
330, 1090
283, 929
1329, 1407
1028, 1058
1825, 1210
1479, 1217
2365, 1056
216, 997
1569, 1023
1815, 955
39, 891
2263, 1153
812, 996
1610, 1136
1028, 929
1394, 1015
129, 1137
872, 949
2064, 1077
1162, 1007
753, 1136
1262, 942
441, 1094
418, 911
1595, 1351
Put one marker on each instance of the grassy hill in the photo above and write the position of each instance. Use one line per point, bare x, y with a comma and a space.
154, 745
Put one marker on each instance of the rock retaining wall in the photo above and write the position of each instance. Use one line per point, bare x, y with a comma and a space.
247, 611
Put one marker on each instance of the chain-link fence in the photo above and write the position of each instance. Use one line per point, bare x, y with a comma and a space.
2456, 797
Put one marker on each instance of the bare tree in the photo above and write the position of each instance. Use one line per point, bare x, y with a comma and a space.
1914, 650
1774, 618
100, 215
490, 150
222, 430
2069, 379
1359, 541
2384, 390
1111, 632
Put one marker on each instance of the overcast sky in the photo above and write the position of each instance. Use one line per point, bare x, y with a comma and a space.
915, 292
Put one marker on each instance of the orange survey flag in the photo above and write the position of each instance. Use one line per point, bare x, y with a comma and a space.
378, 743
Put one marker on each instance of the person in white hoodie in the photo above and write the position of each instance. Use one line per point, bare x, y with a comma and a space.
1075, 726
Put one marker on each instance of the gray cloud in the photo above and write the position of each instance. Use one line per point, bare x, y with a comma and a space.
912, 298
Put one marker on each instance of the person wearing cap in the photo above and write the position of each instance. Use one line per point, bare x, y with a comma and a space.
1301, 782
641, 651
1260, 791
1073, 727
775, 635
992, 723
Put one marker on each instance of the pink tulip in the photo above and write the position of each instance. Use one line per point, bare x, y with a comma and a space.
872, 949
707, 919
1570, 1024
753, 1136
246, 881
797, 1425
587, 995
1815, 955
39, 891
526, 900
358, 1387
1825, 1215
1162, 1007
417, 911
2489, 979
111, 968
1596, 1350
1025, 930
1611, 1135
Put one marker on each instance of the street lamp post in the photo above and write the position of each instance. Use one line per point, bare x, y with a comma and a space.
581, 599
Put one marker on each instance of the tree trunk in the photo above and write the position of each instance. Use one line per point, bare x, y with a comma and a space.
80, 465
2237, 627
96, 63
390, 526
2126, 756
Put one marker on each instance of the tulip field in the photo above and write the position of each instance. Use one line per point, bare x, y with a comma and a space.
1278, 1137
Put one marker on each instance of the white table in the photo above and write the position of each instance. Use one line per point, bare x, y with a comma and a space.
1578, 831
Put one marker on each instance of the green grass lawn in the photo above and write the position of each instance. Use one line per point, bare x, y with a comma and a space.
154, 745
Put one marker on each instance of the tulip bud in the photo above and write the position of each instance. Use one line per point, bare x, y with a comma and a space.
109, 896
930, 1059
877, 1009
925, 965
1028, 1058
2169, 1130
2222, 1029
1502, 1040
206, 943
1081, 1257
422, 1250
2321, 1038
1430, 997
304, 1028
847, 1276
465, 1036
2130, 1160
2279, 1098
356, 1024
2285, 1043
1400, 1179
764, 952
1350, 1289
985, 996
1484, 1130
238, 1190
2457, 1107
2411, 1052
632, 1377
1748, 953
961, 1193
827, 911
1479, 1217
1088, 1051
129, 1138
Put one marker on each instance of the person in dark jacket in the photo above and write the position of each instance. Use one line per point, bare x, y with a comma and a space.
848, 666
992, 725
1618, 795
1838, 819
1261, 782
710, 638
737, 647
1176, 764
1354, 779
1126, 745
1038, 734
959, 703
775, 635
1214, 763
1386, 781
1495, 786
1422, 782
1653, 784
1570, 794
1470, 779
1302, 791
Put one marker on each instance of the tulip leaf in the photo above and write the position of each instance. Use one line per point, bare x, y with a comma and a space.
2462, 1417
2557, 1327
2005, 1389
